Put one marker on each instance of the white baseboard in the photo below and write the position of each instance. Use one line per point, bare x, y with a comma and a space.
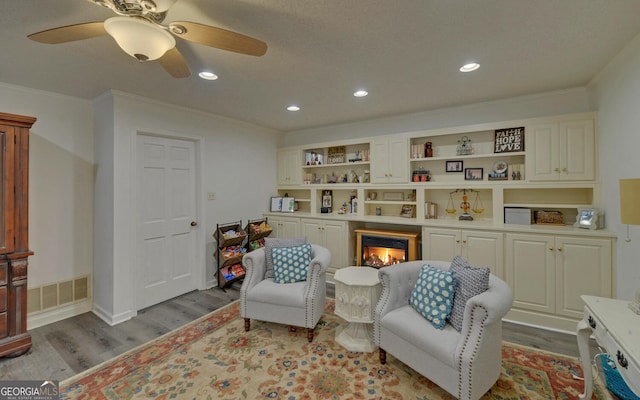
57, 314
110, 318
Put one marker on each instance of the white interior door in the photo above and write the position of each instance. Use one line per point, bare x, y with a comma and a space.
166, 239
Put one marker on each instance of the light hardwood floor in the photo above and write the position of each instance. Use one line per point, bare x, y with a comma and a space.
65, 348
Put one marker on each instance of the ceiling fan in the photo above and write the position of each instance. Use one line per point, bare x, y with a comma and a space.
139, 31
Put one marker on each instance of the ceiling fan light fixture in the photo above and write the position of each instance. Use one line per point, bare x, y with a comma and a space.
139, 38
156, 6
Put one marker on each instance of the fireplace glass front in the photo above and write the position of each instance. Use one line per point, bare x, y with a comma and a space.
380, 251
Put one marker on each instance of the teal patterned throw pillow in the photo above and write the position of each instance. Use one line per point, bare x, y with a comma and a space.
290, 264
432, 296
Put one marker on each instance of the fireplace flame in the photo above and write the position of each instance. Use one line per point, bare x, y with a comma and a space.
382, 256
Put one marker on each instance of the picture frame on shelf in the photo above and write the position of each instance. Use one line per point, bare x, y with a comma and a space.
337, 155
473, 174
276, 204
288, 204
314, 157
509, 140
453, 166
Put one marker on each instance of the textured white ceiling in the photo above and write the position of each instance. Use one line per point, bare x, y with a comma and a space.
406, 53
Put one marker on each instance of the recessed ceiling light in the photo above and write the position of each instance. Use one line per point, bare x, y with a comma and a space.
360, 93
293, 108
210, 76
469, 67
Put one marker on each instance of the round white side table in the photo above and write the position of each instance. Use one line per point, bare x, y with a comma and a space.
357, 292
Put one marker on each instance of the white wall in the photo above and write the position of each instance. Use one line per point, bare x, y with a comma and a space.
538, 105
238, 165
60, 182
616, 95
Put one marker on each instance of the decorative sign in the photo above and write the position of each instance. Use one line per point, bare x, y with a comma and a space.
509, 140
337, 155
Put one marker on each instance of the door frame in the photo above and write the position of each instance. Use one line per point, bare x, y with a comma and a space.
199, 274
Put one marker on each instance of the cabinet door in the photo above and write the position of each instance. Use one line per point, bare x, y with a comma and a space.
7, 135
389, 160
440, 244
284, 227
398, 160
312, 229
577, 150
379, 161
289, 167
583, 266
542, 152
484, 249
530, 261
335, 239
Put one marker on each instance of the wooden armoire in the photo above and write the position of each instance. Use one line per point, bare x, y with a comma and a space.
14, 233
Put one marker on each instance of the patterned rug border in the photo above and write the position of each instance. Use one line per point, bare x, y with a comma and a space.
128, 353
230, 312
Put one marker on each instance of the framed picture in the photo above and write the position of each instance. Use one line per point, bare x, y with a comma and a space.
587, 218
288, 204
276, 204
314, 157
454, 166
509, 140
473, 174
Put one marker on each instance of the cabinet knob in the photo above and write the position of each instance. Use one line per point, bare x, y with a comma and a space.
556, 169
622, 360
559, 248
464, 241
194, 223
457, 241
564, 170
550, 248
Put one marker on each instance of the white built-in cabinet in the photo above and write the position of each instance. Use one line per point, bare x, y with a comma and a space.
548, 267
480, 248
549, 273
289, 167
284, 227
563, 151
330, 234
390, 160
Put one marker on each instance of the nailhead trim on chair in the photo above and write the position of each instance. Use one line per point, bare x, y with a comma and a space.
475, 351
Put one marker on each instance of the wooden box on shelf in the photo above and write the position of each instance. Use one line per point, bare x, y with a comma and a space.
256, 231
549, 217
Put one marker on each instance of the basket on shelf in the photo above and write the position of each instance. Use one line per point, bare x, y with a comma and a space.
228, 235
549, 217
615, 382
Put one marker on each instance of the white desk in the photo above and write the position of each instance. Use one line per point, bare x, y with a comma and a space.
357, 293
617, 329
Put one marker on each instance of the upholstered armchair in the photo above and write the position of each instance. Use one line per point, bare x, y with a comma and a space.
466, 363
299, 304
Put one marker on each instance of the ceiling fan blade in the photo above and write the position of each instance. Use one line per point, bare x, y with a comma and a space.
70, 33
219, 38
173, 62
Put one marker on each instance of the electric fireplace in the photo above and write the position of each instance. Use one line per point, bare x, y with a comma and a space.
382, 248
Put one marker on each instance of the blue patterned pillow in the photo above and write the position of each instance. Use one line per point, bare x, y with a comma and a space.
291, 264
471, 282
432, 296
271, 243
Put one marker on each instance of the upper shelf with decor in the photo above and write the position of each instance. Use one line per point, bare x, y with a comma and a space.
337, 164
489, 143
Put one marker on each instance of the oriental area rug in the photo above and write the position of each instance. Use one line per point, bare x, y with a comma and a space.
214, 358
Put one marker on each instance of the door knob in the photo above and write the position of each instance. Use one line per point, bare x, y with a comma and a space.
194, 223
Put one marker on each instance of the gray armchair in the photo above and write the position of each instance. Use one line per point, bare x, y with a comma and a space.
465, 364
297, 304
